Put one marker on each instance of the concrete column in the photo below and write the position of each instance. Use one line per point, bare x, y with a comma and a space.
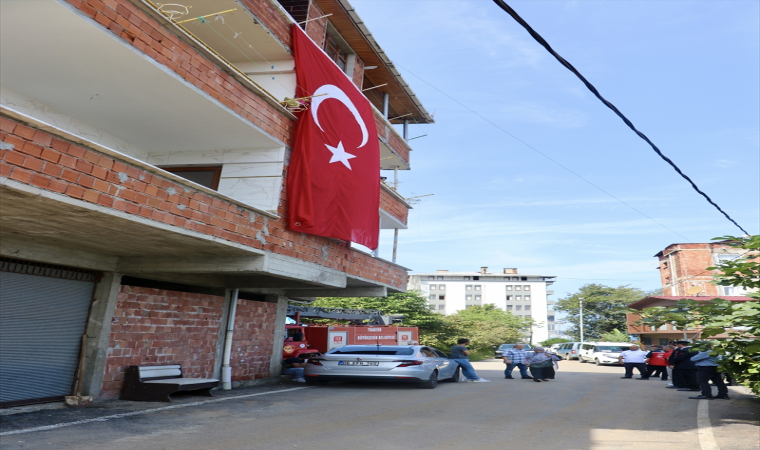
222, 334
99, 332
275, 364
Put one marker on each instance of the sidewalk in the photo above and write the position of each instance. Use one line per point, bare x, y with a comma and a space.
54, 415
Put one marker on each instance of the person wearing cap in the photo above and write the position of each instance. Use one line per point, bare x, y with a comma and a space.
684, 370
634, 358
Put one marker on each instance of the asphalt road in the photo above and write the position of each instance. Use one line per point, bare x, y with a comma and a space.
586, 407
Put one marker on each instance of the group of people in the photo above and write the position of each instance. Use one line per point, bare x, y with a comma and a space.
688, 370
541, 364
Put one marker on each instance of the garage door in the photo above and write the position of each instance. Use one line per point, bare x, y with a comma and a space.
43, 314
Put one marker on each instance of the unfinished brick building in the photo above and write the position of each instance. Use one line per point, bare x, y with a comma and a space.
145, 154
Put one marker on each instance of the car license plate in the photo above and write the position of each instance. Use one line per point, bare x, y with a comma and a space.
358, 363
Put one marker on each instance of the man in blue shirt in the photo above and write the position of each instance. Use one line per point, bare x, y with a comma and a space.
461, 355
515, 357
707, 370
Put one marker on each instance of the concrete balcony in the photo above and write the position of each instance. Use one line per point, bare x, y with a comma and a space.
394, 210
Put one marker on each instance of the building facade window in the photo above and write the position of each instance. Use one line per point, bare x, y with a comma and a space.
527, 307
550, 318
527, 298
468, 297
477, 298
526, 288
431, 277
432, 296
336, 52
518, 298
441, 297
466, 278
550, 327
518, 307
207, 176
509, 307
509, 287
440, 278
509, 298
518, 287
440, 307
441, 287
468, 287
477, 287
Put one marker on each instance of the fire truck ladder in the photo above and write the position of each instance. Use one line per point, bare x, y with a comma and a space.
373, 315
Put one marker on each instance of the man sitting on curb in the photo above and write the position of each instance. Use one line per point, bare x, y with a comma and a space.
294, 366
515, 357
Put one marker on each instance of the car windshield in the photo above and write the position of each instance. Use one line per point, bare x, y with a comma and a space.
372, 350
611, 348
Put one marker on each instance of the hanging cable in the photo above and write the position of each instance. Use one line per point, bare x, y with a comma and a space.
540, 152
591, 88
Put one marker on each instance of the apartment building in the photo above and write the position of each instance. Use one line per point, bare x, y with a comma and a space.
683, 268
147, 187
525, 296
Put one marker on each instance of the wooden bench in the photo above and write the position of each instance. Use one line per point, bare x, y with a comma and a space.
158, 383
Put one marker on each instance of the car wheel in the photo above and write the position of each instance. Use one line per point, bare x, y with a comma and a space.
432, 382
567, 356
580, 358
455, 378
598, 363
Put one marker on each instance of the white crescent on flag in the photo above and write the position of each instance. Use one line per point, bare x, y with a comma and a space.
328, 91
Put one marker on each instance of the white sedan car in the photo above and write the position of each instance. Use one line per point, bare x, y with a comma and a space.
408, 363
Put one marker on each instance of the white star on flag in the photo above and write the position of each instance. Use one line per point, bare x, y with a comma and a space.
340, 155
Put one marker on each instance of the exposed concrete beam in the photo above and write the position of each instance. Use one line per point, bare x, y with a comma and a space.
347, 292
33, 250
253, 263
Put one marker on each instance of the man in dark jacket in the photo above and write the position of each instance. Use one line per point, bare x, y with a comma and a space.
684, 370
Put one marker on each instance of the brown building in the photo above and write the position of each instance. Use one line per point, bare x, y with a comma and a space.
683, 268
144, 155
668, 332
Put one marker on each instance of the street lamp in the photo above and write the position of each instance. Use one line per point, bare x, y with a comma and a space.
580, 318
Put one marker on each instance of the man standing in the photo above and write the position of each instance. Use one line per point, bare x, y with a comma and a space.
460, 355
684, 370
707, 371
515, 357
657, 363
634, 358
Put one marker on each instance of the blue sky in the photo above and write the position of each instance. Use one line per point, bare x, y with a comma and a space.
686, 73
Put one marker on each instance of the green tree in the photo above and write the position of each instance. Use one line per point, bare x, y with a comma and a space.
551, 341
434, 329
486, 326
602, 308
615, 336
739, 350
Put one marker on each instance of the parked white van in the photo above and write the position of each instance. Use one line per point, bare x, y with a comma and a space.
569, 350
602, 352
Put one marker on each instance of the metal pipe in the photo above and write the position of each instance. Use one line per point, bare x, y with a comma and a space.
386, 100
395, 244
581, 318
226, 369
406, 129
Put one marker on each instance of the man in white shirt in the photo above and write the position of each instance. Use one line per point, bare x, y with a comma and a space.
634, 358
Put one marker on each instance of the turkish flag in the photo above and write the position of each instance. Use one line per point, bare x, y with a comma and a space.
334, 175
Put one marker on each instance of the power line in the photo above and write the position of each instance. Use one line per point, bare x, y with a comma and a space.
614, 109
538, 151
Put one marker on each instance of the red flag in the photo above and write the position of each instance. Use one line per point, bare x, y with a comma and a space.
334, 174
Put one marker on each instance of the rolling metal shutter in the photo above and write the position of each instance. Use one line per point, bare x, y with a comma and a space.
42, 320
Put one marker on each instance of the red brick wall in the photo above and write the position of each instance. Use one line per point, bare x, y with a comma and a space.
40, 159
389, 135
393, 206
253, 340
316, 29
152, 327
138, 29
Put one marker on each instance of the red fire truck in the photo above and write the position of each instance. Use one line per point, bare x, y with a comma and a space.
315, 339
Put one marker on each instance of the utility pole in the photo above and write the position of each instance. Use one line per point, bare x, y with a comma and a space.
580, 317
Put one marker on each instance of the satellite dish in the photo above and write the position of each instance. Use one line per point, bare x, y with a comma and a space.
694, 290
